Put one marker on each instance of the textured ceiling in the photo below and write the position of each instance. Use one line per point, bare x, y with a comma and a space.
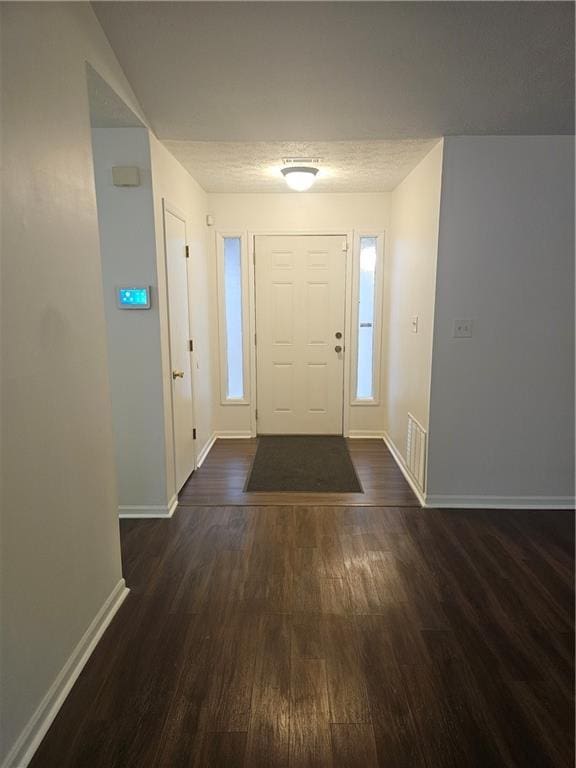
232, 88
335, 71
346, 166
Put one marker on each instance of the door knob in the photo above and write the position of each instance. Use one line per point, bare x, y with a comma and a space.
338, 348
338, 335
177, 374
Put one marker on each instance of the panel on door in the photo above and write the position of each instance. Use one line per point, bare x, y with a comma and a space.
300, 300
181, 369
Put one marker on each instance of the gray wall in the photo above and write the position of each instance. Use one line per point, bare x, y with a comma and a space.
128, 246
60, 542
502, 402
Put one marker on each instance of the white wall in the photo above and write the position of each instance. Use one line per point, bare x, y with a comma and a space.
171, 181
409, 285
60, 543
300, 212
502, 402
128, 247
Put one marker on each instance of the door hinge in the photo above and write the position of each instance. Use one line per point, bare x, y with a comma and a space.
191, 345
255, 339
194, 434
256, 414
187, 251
345, 245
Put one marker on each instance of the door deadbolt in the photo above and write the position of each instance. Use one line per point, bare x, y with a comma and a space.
338, 348
338, 335
177, 374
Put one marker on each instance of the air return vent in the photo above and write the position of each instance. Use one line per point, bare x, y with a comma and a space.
416, 451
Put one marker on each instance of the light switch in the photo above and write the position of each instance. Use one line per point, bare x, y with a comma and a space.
462, 328
414, 324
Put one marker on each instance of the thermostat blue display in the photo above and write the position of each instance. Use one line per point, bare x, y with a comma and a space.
133, 298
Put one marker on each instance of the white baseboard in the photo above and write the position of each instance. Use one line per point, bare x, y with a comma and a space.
29, 740
240, 434
399, 459
369, 434
478, 502
500, 502
224, 435
205, 450
151, 511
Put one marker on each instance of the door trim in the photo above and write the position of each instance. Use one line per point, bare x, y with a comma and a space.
349, 236
168, 207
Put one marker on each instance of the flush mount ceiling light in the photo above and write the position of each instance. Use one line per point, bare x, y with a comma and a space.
299, 177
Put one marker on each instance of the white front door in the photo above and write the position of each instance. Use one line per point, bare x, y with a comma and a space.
181, 369
300, 296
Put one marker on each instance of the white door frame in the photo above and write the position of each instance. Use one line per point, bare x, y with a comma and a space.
168, 207
349, 235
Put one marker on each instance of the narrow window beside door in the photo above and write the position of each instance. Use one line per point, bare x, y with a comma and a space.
368, 318
232, 300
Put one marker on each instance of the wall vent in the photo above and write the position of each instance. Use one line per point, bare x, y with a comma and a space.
416, 452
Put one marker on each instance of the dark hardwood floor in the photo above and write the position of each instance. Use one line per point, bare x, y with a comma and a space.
220, 480
351, 637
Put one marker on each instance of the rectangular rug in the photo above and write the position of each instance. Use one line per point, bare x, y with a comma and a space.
312, 463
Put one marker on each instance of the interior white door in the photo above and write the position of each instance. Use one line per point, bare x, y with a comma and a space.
300, 305
181, 368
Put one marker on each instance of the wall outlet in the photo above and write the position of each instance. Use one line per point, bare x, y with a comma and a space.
414, 324
462, 329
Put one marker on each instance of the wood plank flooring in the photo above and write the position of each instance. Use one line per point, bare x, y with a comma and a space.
350, 637
221, 479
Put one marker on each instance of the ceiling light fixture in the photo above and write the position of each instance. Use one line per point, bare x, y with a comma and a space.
299, 177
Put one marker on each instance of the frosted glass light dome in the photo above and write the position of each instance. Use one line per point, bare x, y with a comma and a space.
299, 178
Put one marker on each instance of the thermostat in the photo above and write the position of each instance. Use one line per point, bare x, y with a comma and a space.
137, 297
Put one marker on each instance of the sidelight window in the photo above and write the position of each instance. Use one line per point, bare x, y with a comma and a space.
368, 314
232, 306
